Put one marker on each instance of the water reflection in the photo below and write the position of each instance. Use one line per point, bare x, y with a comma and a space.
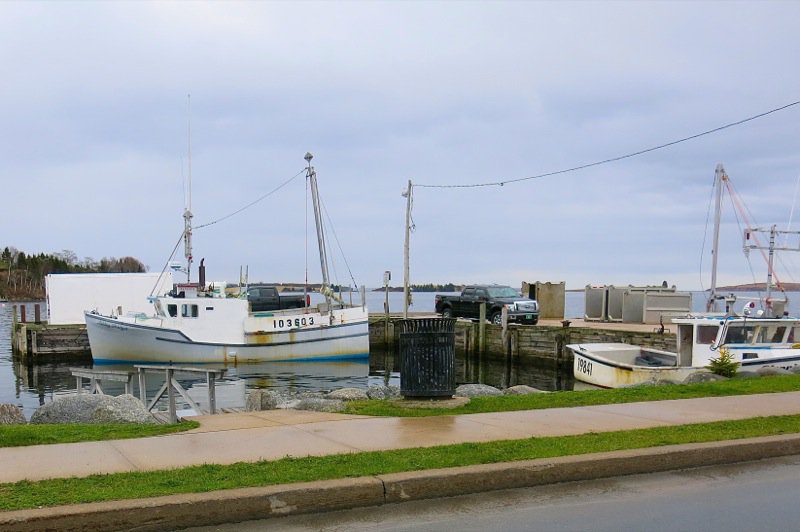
35, 384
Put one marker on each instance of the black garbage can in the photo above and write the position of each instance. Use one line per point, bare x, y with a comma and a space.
427, 357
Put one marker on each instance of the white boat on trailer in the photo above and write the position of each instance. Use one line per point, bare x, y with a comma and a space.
189, 326
754, 339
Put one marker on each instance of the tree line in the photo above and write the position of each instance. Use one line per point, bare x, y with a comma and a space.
22, 274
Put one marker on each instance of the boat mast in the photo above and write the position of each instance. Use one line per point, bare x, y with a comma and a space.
311, 174
187, 211
719, 177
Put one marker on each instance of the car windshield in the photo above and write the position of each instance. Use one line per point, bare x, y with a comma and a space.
502, 291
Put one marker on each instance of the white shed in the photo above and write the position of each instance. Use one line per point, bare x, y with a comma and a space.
69, 294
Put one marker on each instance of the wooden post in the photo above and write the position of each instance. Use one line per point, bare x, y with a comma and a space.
504, 325
142, 387
22, 340
212, 392
387, 276
14, 333
22, 314
37, 313
173, 416
482, 329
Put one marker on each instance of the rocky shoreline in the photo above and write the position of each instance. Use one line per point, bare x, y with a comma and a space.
95, 408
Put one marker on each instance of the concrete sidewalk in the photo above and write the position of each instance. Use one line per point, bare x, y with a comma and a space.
270, 435
229, 438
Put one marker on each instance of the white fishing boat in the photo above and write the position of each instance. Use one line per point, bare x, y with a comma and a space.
189, 325
755, 338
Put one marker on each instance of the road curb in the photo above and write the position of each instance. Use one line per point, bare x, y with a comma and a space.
229, 506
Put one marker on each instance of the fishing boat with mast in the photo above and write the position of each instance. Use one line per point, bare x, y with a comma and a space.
760, 335
193, 325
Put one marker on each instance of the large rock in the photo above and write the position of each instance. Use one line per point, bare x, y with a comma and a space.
522, 389
477, 390
258, 400
11, 415
91, 408
768, 371
320, 405
348, 394
383, 392
703, 376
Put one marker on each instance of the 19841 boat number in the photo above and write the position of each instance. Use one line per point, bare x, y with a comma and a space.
584, 366
297, 322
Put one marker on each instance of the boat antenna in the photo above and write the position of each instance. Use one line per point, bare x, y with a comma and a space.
311, 174
187, 212
719, 177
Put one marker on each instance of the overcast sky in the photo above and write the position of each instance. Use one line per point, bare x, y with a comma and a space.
94, 137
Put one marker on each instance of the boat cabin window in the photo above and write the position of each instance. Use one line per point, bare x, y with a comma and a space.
172, 310
739, 335
706, 334
771, 335
794, 335
189, 311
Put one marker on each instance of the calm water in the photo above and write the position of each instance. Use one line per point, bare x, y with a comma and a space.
29, 386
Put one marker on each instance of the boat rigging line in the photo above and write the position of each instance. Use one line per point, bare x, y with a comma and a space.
615, 159
747, 227
255, 201
186, 234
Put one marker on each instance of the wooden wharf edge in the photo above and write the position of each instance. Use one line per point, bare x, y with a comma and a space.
544, 341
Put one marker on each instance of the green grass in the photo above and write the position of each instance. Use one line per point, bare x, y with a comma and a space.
205, 478
19, 435
506, 403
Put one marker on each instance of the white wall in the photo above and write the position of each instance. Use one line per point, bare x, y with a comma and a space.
69, 294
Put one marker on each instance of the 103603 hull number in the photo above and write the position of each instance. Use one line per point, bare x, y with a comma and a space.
296, 322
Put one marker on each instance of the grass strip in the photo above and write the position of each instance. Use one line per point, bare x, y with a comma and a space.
196, 479
20, 435
507, 403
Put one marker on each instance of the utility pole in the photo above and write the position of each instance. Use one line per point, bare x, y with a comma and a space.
406, 294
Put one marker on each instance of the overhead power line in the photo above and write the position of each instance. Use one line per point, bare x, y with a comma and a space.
619, 158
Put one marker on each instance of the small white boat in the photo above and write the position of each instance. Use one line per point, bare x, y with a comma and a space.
755, 339
752, 342
190, 326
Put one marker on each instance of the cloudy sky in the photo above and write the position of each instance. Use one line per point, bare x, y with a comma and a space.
95, 118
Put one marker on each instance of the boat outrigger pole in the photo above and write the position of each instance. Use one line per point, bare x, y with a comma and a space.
719, 177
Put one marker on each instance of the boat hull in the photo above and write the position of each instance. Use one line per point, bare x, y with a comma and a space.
610, 365
594, 364
115, 340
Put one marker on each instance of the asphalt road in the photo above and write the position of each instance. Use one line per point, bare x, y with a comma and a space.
753, 496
